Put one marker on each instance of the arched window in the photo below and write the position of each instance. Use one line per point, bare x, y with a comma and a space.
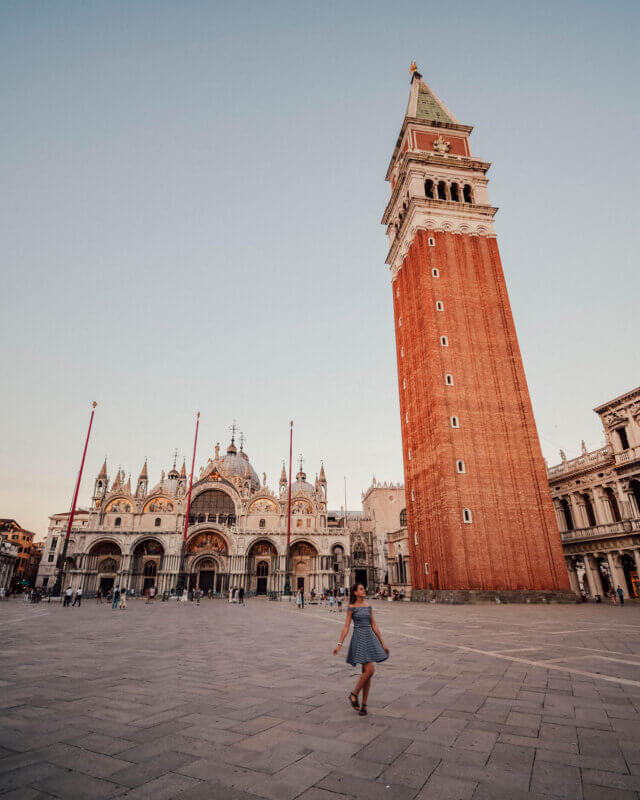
262, 523
117, 522
466, 193
442, 190
213, 505
439, 305
409, 454
413, 495
402, 352
399, 322
455, 423
406, 416
460, 466
404, 383
158, 522
448, 379
588, 507
359, 553
566, 513
613, 503
431, 241
150, 569
397, 291
466, 516
435, 273
444, 341
403, 518
428, 188
455, 192
622, 436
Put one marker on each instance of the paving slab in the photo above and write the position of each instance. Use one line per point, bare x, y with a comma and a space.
248, 704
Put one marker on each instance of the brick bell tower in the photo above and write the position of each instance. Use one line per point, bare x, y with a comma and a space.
479, 510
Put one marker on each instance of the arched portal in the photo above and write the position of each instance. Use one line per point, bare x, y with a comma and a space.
303, 563
207, 575
146, 564
206, 560
104, 560
631, 574
262, 562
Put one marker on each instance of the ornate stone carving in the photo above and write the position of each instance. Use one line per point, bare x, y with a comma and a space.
441, 146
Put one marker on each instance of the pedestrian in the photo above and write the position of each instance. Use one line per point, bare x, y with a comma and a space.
185, 595
620, 595
366, 646
241, 595
152, 593
77, 600
99, 596
332, 600
612, 595
116, 597
67, 597
299, 600
123, 600
230, 594
340, 603
198, 594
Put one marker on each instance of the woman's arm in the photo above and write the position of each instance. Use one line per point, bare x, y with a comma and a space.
377, 633
344, 632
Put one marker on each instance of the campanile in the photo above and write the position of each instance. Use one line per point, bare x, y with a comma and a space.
479, 510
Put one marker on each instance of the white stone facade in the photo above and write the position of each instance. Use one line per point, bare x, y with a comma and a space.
236, 534
597, 502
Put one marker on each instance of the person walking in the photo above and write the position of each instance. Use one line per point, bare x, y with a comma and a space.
116, 597
366, 646
612, 595
198, 595
241, 595
620, 595
123, 600
332, 601
77, 600
299, 600
99, 596
67, 597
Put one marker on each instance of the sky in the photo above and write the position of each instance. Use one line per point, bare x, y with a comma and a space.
190, 221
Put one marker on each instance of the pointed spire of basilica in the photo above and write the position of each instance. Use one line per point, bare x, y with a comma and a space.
103, 472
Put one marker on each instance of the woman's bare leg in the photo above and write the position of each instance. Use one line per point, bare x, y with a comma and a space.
365, 690
367, 672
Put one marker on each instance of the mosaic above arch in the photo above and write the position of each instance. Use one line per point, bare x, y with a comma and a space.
158, 504
206, 542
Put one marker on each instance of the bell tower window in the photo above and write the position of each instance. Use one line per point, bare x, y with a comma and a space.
428, 188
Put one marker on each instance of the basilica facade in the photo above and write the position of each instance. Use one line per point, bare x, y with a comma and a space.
236, 535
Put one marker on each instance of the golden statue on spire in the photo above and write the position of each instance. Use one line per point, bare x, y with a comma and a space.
413, 68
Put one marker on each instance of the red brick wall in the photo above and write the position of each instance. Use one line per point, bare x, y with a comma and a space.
513, 541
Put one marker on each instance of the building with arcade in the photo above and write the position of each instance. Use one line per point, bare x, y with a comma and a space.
132, 536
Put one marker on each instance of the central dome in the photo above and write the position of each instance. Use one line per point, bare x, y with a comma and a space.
236, 463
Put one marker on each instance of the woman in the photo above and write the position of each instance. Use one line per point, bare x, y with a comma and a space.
366, 645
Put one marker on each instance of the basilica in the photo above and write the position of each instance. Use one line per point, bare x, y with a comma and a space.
236, 534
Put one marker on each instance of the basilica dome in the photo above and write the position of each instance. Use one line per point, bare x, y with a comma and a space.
236, 463
301, 485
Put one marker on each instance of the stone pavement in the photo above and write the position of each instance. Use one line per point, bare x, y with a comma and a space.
175, 701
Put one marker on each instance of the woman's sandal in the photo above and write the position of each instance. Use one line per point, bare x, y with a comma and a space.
363, 710
354, 703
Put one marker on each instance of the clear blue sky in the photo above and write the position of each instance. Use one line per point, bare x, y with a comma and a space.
191, 202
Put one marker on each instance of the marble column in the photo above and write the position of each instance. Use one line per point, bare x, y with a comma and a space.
573, 575
592, 572
603, 509
617, 573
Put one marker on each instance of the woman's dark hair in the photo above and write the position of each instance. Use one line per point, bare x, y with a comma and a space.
352, 592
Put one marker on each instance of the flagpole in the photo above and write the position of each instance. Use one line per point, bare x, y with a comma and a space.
63, 557
182, 578
287, 585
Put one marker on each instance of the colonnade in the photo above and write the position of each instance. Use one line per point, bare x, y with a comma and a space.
592, 573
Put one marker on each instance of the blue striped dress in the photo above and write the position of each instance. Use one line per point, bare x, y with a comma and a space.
365, 645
